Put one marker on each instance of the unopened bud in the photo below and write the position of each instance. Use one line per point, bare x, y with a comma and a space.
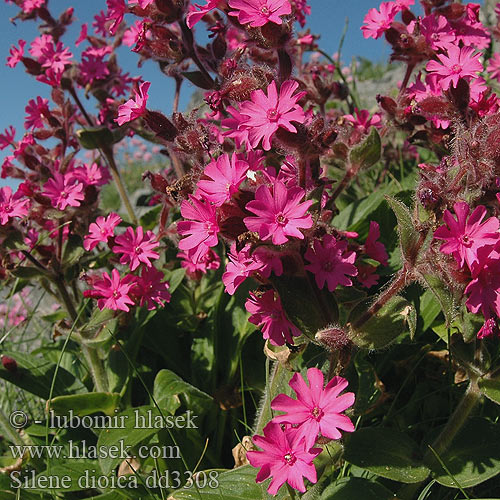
9, 364
333, 338
160, 125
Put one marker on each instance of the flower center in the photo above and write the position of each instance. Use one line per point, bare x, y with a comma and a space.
264, 10
290, 458
210, 228
64, 194
466, 241
281, 220
272, 114
317, 413
328, 266
456, 68
115, 293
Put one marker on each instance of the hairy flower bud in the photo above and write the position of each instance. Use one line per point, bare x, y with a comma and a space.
160, 125
9, 364
333, 338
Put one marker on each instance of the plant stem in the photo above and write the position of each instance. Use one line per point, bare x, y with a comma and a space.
63, 293
108, 153
96, 367
457, 419
399, 282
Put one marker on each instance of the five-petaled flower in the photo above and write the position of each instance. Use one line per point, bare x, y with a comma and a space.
135, 107
264, 114
279, 214
285, 457
136, 247
317, 409
259, 12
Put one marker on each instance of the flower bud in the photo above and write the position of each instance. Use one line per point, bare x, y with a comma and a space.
160, 125
333, 338
9, 364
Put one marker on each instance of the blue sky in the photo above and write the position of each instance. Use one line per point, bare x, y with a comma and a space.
327, 19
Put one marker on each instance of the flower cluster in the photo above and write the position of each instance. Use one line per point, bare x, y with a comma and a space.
288, 443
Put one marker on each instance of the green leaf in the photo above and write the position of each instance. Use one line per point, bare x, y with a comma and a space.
139, 424
408, 236
490, 388
55, 316
170, 391
95, 138
429, 309
473, 457
383, 327
150, 219
300, 304
28, 272
85, 404
73, 250
356, 488
387, 453
368, 390
35, 376
199, 79
443, 295
236, 484
358, 210
175, 278
368, 152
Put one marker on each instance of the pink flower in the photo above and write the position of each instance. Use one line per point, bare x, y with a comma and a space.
224, 178
101, 230
55, 57
233, 124
197, 12
459, 63
285, 457
116, 11
197, 263
136, 247
331, 262
142, 3
366, 275
377, 22
464, 236
374, 248
83, 34
39, 45
11, 205
362, 120
135, 107
279, 214
202, 227
92, 175
16, 54
494, 66
36, 110
267, 312
266, 113
63, 191
113, 291
489, 329
7, 138
240, 266
132, 35
150, 288
92, 67
437, 32
259, 12
484, 289
316, 409
30, 5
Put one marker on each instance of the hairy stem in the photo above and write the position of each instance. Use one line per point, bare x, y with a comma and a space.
399, 282
457, 419
96, 367
108, 153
